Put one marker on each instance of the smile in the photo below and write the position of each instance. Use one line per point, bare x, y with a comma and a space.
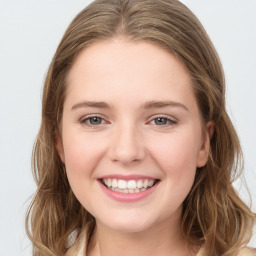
128, 186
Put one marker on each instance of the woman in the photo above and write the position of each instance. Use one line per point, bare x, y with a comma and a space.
135, 148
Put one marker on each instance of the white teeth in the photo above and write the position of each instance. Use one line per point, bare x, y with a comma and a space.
114, 183
122, 184
109, 183
145, 183
130, 186
139, 184
150, 183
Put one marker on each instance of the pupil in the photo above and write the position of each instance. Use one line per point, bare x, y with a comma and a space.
95, 120
161, 120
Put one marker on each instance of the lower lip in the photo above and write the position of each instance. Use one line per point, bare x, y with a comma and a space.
127, 197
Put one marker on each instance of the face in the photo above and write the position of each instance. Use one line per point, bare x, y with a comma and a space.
131, 134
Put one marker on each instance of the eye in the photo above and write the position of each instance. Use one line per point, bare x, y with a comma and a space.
93, 121
162, 121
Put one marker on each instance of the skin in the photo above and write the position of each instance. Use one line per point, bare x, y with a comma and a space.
128, 139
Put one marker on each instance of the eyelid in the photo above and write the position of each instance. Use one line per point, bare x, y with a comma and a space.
171, 119
83, 119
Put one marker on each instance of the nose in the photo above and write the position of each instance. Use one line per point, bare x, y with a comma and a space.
126, 145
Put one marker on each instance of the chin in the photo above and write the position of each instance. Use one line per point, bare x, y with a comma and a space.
125, 223
128, 227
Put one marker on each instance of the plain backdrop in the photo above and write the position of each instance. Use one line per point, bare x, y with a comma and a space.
30, 31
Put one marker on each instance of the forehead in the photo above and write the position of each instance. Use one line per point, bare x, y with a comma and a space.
141, 56
139, 70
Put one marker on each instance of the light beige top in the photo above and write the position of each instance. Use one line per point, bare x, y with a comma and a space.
80, 251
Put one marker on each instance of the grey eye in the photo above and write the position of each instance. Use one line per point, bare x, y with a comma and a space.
94, 120
161, 120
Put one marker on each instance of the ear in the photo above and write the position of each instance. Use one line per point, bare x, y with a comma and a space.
203, 153
59, 146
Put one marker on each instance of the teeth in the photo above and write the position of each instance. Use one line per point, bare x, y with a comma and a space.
114, 183
109, 182
145, 183
130, 186
121, 184
139, 184
150, 183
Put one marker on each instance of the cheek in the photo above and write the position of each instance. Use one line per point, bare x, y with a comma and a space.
176, 156
82, 154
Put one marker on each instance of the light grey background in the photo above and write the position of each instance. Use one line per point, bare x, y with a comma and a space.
29, 34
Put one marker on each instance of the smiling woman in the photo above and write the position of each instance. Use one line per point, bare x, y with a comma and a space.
135, 148
140, 148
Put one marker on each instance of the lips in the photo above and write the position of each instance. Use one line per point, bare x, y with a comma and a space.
128, 186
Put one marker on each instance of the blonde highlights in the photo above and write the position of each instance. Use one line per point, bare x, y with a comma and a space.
213, 214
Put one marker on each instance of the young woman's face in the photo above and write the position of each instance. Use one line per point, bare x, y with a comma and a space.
131, 136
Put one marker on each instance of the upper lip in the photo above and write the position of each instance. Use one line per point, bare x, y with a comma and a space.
127, 177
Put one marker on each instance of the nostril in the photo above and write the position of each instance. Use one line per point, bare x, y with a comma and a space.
126, 146
127, 156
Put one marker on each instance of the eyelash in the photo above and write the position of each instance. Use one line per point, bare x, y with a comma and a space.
169, 121
89, 118
87, 121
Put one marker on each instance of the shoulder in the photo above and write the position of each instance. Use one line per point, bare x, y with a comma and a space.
247, 251
78, 249
78, 246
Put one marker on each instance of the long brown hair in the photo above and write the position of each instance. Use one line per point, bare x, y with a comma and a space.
213, 214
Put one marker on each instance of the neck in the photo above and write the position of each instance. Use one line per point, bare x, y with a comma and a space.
162, 240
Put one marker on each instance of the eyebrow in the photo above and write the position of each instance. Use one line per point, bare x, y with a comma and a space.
147, 105
163, 104
92, 104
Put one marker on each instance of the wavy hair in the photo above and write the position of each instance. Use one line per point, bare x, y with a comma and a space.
213, 214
